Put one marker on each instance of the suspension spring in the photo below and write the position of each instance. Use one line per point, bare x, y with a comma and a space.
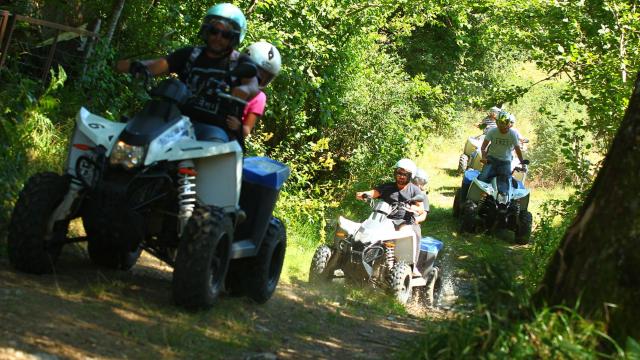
390, 255
186, 189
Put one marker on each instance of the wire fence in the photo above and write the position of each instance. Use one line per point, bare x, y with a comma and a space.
33, 46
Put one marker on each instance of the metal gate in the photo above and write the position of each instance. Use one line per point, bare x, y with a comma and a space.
39, 54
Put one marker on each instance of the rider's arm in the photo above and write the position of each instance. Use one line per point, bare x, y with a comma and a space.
247, 90
372, 193
249, 123
156, 67
519, 153
483, 148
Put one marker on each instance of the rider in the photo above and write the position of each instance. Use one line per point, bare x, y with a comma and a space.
421, 179
489, 122
201, 68
400, 190
267, 58
497, 158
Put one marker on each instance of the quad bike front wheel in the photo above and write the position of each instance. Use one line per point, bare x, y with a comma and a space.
258, 276
523, 231
468, 217
319, 272
400, 281
31, 246
203, 258
463, 162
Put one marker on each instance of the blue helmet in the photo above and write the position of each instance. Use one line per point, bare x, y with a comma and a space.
229, 14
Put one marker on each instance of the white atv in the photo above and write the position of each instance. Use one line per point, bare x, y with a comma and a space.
150, 184
376, 252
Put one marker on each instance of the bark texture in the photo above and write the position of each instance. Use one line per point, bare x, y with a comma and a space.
598, 261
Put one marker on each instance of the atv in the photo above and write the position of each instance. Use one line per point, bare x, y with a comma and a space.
150, 184
501, 203
469, 154
375, 252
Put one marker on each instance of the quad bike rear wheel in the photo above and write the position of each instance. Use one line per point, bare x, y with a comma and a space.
31, 246
523, 231
433, 288
258, 276
463, 163
103, 253
203, 258
104, 248
319, 272
400, 281
457, 198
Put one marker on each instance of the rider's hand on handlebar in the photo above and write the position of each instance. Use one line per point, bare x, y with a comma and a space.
362, 195
139, 70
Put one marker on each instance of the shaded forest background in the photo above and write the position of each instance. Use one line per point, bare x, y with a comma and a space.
362, 85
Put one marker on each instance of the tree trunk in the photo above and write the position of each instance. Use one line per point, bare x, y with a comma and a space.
598, 261
115, 18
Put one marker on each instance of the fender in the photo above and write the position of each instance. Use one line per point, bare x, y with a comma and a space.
478, 188
98, 130
90, 131
347, 225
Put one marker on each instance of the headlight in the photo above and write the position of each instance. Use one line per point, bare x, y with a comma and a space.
341, 233
129, 156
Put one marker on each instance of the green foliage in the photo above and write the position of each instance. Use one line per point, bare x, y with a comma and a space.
556, 216
593, 43
504, 325
31, 140
107, 93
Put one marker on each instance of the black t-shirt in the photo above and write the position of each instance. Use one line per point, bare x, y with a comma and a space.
389, 193
202, 75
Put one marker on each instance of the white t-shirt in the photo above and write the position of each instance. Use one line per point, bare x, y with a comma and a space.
502, 144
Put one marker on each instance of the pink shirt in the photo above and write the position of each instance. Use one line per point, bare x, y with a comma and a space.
255, 105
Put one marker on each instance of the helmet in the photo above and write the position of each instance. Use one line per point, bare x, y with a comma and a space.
420, 178
495, 110
512, 119
230, 14
503, 117
407, 165
267, 58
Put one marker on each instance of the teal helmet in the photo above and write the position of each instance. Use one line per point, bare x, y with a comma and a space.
230, 14
503, 117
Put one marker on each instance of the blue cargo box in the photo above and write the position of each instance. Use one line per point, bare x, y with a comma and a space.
265, 171
469, 175
430, 245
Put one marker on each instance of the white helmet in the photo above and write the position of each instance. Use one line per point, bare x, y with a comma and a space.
420, 178
407, 165
267, 58
495, 110
512, 119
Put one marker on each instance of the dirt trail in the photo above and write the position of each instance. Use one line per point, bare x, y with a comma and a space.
82, 312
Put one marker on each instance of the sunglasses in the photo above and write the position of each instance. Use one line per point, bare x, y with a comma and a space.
227, 34
402, 173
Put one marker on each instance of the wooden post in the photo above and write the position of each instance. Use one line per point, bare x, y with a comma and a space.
52, 52
89, 48
5, 47
3, 24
